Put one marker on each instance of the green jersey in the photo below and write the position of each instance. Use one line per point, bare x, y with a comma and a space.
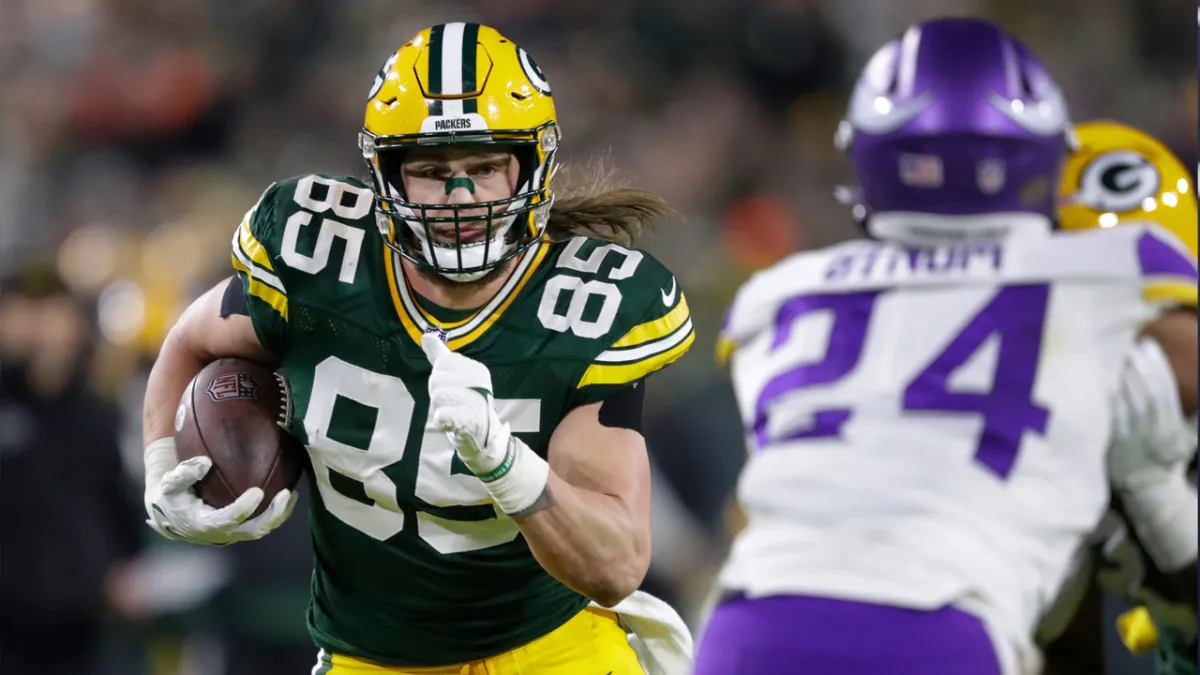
415, 565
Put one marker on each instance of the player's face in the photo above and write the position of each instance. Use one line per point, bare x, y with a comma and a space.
459, 176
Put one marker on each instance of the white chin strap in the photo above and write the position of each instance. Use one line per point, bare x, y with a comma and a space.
478, 254
931, 229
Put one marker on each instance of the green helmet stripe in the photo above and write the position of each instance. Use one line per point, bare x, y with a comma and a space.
434, 79
469, 41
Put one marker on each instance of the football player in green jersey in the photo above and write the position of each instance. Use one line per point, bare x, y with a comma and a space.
465, 351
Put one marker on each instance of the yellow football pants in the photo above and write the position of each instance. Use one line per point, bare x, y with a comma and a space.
591, 643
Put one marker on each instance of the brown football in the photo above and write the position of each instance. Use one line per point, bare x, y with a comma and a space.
236, 412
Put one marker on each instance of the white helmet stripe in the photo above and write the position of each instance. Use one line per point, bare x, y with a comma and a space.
451, 56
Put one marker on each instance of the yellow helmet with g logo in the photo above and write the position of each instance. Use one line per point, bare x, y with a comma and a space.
1121, 175
461, 84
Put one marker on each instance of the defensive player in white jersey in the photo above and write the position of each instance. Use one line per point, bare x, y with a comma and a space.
928, 411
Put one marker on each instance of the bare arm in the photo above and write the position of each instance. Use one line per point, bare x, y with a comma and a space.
594, 534
199, 337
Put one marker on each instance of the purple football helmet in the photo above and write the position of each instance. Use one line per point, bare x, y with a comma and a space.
956, 117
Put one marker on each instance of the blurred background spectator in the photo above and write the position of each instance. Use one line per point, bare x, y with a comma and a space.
135, 134
71, 525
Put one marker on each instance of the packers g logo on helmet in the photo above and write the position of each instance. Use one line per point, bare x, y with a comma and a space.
534, 72
383, 72
1118, 181
1123, 175
461, 84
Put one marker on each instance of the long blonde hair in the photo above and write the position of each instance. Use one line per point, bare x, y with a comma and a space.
589, 200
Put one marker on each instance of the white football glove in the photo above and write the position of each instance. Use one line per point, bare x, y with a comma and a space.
1152, 445
460, 404
1150, 433
176, 512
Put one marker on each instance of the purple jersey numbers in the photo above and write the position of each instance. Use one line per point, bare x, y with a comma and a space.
851, 318
1016, 315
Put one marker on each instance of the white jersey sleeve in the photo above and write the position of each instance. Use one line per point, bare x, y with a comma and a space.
929, 426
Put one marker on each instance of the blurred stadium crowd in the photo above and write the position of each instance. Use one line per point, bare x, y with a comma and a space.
135, 134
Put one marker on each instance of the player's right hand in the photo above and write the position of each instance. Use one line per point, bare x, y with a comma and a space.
176, 512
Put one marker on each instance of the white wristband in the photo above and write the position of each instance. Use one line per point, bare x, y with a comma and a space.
521, 478
1165, 519
158, 459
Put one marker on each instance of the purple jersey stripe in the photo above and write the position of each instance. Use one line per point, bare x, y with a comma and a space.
1159, 258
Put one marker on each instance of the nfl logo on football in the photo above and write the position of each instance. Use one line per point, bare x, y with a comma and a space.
989, 175
232, 386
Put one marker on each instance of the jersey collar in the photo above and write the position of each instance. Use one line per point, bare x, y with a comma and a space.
417, 321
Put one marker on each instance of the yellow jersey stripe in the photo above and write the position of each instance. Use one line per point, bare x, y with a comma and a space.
410, 326
635, 354
1183, 293
251, 246
273, 298
257, 271
656, 329
603, 373
526, 261
542, 249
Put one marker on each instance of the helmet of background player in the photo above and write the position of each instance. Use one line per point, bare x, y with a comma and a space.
958, 122
461, 84
1121, 175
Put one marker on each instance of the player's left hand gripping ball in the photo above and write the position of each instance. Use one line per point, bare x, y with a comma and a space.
461, 404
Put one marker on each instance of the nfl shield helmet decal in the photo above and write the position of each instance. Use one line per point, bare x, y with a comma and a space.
990, 175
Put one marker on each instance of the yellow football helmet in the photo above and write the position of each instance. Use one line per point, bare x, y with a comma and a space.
464, 84
1121, 175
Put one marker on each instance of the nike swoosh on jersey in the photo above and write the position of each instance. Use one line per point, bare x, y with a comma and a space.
669, 298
